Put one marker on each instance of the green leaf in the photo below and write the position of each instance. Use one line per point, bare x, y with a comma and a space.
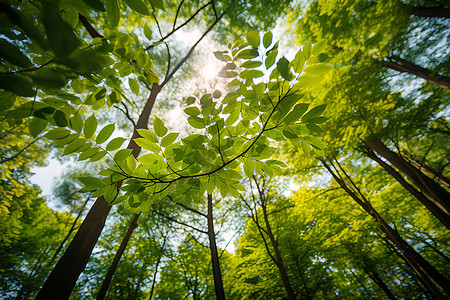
249, 167
90, 183
313, 127
138, 6
319, 46
105, 133
74, 146
76, 123
192, 111
289, 134
122, 154
190, 100
267, 39
296, 113
148, 135
196, 122
219, 55
232, 118
61, 38
147, 31
60, 118
298, 62
98, 156
159, 127
314, 112
270, 59
315, 142
115, 144
283, 68
95, 4
18, 84
169, 139
57, 133
251, 64
90, 126
88, 153
310, 81
12, 54
113, 12
134, 86
158, 4
7, 100
318, 69
250, 74
37, 126
247, 54
253, 39
146, 144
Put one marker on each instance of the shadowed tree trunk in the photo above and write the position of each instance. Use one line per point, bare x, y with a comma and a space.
433, 11
377, 279
433, 208
421, 266
71, 228
424, 183
436, 175
112, 268
218, 284
402, 65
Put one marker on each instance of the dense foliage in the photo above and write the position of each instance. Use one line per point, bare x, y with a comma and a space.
312, 167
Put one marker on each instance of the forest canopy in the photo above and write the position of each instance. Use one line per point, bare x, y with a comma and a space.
234, 149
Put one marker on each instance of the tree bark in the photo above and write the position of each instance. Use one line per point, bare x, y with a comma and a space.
439, 177
218, 284
433, 208
404, 66
424, 183
71, 229
63, 277
112, 268
422, 267
434, 11
279, 259
377, 279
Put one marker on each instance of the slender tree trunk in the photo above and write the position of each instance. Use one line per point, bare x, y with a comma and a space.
156, 270
439, 177
422, 267
377, 279
64, 276
218, 284
433, 12
279, 260
404, 66
112, 268
436, 192
433, 208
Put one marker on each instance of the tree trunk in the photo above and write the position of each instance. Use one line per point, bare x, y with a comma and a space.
377, 279
280, 265
218, 284
434, 11
439, 177
404, 66
422, 267
156, 270
433, 208
429, 187
112, 268
71, 229
64, 276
